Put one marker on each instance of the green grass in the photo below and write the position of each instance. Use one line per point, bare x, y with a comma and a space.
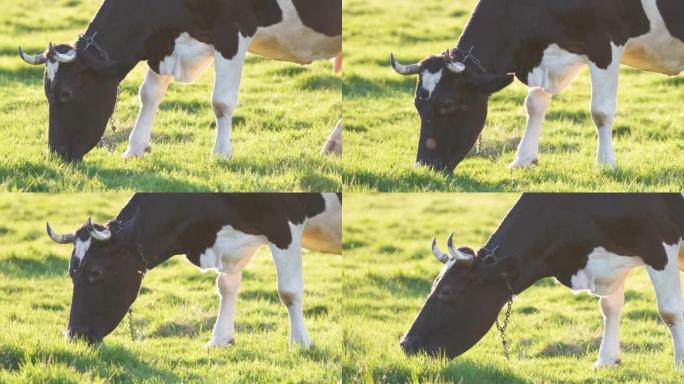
175, 312
382, 126
286, 112
388, 272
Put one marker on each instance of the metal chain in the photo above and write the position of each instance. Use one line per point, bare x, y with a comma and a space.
502, 329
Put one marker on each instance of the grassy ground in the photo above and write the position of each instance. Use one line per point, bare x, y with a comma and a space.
555, 335
382, 125
286, 113
175, 312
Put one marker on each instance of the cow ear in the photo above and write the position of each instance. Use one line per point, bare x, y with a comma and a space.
489, 83
129, 230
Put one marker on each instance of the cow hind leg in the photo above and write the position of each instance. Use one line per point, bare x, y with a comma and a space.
333, 146
288, 264
225, 96
669, 297
228, 285
604, 84
611, 309
151, 93
536, 103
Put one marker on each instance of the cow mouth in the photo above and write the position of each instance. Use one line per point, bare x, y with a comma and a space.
75, 334
445, 167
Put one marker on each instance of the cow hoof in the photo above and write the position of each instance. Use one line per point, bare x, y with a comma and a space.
608, 163
223, 154
136, 152
523, 162
304, 343
218, 343
607, 363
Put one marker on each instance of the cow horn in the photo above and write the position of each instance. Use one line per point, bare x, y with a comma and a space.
441, 256
404, 69
62, 57
58, 238
460, 257
456, 67
97, 234
32, 59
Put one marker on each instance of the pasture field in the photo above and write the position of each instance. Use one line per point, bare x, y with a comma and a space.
555, 335
286, 112
174, 313
382, 125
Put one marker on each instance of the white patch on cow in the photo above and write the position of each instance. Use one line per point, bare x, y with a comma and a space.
288, 264
430, 80
323, 232
290, 40
603, 272
657, 50
557, 69
231, 251
81, 248
51, 68
225, 95
190, 58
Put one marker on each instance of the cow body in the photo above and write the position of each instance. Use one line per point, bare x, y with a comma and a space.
215, 231
179, 39
588, 242
545, 44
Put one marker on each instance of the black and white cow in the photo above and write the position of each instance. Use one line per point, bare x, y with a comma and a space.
588, 242
179, 39
544, 43
214, 231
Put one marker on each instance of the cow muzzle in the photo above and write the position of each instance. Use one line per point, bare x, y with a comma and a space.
73, 334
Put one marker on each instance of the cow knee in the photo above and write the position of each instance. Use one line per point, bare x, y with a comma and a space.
602, 115
537, 101
671, 316
150, 93
290, 295
222, 107
227, 285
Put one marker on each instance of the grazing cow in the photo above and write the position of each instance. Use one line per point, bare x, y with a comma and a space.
179, 39
544, 43
214, 231
588, 242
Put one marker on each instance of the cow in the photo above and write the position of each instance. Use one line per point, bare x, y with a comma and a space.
179, 39
544, 43
218, 232
588, 242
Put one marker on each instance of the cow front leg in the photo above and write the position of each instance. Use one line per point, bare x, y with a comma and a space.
288, 264
669, 298
227, 285
604, 84
611, 309
151, 93
225, 95
536, 103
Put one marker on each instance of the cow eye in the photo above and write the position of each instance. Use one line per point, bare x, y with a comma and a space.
446, 291
447, 107
66, 94
94, 274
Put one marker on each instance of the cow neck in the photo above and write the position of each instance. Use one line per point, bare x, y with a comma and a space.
123, 30
489, 37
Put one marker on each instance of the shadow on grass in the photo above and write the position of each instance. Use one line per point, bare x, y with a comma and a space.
27, 75
108, 362
413, 181
23, 267
356, 86
402, 285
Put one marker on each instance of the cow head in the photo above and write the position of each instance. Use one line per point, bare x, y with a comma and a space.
464, 302
106, 270
81, 89
451, 99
